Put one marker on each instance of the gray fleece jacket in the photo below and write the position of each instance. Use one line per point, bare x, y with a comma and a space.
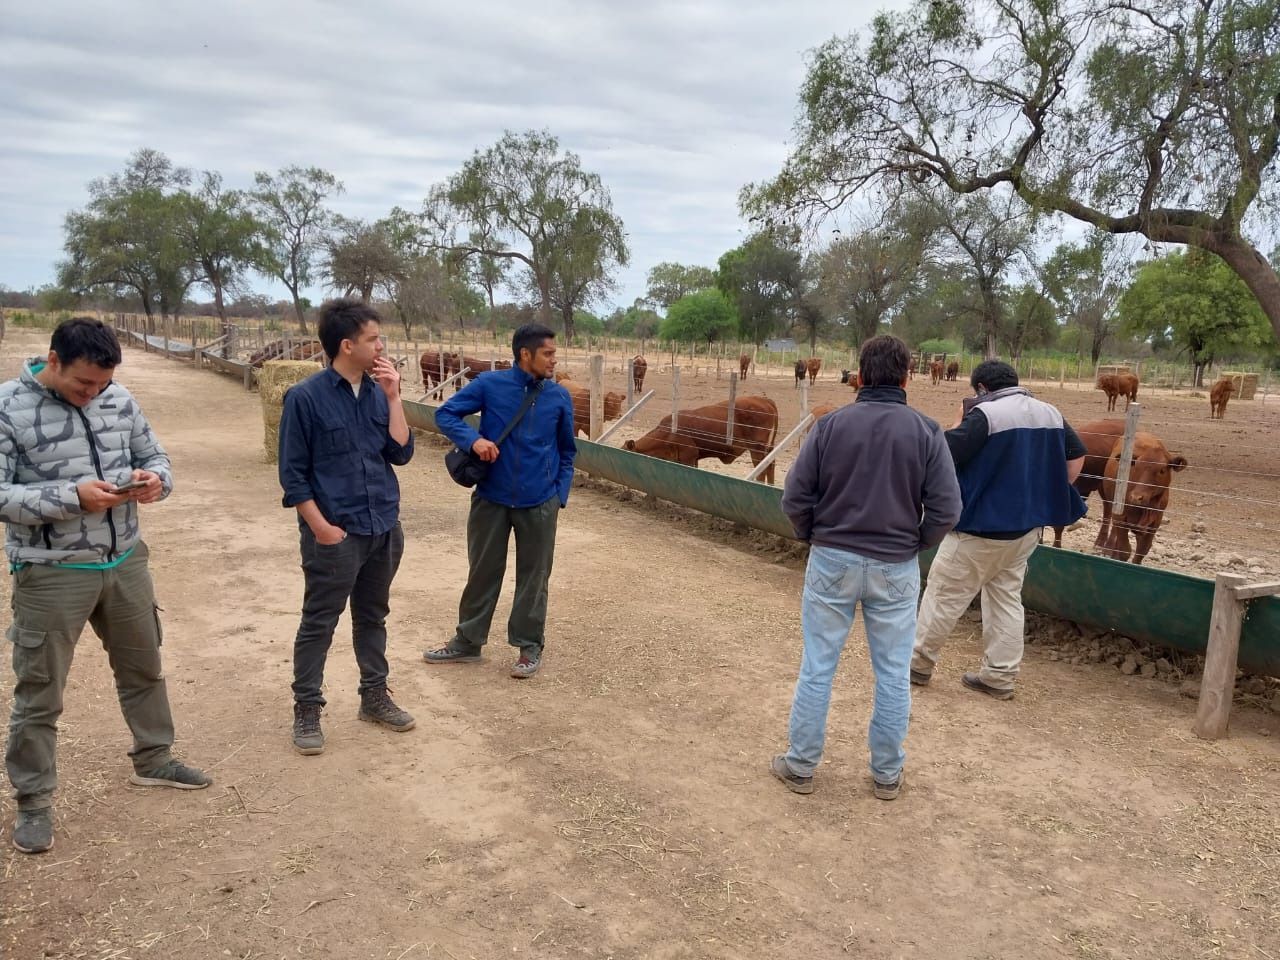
47, 446
875, 478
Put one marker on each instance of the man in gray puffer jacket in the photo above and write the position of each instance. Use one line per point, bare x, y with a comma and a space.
77, 457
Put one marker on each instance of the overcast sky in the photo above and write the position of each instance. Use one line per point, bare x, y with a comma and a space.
674, 104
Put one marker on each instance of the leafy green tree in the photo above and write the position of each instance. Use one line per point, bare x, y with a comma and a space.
1196, 302
291, 207
704, 316
522, 200
1084, 282
762, 279
221, 237
637, 320
668, 282
1149, 117
361, 256
1029, 320
863, 279
127, 238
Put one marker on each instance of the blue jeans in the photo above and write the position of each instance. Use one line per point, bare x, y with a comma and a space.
834, 582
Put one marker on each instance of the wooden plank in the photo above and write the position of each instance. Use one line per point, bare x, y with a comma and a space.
1253, 590
1219, 681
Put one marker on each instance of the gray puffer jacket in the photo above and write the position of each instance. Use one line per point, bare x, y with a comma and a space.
47, 446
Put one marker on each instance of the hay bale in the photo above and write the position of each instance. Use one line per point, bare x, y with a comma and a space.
275, 377
1246, 384
1113, 369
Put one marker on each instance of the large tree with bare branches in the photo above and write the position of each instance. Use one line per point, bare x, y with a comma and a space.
1151, 117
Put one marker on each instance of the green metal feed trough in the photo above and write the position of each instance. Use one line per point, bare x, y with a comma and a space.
1156, 606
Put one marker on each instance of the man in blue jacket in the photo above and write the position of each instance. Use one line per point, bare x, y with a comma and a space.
526, 487
872, 486
1016, 458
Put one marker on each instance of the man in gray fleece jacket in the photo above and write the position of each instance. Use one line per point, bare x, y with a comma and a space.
873, 485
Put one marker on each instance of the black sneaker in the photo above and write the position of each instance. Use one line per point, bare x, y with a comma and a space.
795, 783
889, 791
308, 738
920, 679
448, 654
175, 773
376, 706
971, 681
33, 830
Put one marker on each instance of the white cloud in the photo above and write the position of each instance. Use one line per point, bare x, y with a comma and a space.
674, 105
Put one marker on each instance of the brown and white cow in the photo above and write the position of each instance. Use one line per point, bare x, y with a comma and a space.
813, 365
1146, 496
638, 368
581, 397
744, 361
953, 370
935, 372
1219, 394
700, 433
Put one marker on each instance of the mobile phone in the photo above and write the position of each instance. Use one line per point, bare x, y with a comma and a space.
131, 485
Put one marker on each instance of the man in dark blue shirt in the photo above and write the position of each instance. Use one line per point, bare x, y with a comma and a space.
340, 433
526, 487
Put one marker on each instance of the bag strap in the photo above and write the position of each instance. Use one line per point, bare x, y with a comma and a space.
529, 397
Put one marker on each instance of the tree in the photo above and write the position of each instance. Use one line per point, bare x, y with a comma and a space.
290, 206
1029, 319
221, 237
703, 316
668, 282
128, 236
361, 256
864, 278
1198, 303
522, 200
1151, 117
1084, 282
637, 320
761, 279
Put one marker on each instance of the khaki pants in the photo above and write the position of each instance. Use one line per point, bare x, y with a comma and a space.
50, 608
965, 565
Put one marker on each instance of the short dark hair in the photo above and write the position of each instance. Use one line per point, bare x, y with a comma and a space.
994, 375
342, 319
530, 337
88, 339
883, 361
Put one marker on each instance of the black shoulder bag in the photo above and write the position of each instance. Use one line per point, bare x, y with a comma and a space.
465, 467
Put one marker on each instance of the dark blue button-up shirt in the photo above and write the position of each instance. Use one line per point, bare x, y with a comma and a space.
336, 449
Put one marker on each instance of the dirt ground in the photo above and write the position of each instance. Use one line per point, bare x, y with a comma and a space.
619, 804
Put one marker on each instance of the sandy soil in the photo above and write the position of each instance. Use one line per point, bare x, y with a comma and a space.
619, 804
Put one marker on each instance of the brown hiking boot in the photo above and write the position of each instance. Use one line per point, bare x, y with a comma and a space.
376, 706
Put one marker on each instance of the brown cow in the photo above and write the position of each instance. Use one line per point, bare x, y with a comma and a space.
638, 369
581, 397
1109, 384
953, 371
813, 365
935, 372
1146, 496
477, 366
820, 411
800, 371
701, 434
744, 361
429, 361
1127, 387
1218, 397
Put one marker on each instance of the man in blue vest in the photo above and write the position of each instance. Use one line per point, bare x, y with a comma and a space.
1015, 457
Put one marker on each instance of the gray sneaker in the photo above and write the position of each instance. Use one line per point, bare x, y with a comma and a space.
175, 773
33, 830
448, 654
527, 665
794, 782
308, 738
376, 706
889, 791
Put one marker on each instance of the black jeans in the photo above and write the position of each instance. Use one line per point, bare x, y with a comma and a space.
359, 569
489, 529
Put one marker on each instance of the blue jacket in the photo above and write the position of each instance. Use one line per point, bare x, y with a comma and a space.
1012, 466
535, 462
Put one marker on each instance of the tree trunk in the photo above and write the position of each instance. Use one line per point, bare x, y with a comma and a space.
297, 309
222, 311
566, 314
990, 322
1258, 275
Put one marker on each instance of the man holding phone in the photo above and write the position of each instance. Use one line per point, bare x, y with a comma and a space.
342, 430
77, 457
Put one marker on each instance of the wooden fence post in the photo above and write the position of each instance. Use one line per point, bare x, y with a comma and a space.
1126, 456
733, 408
1230, 594
596, 423
675, 398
